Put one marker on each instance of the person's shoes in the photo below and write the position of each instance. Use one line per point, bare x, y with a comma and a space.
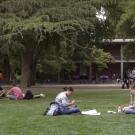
42, 95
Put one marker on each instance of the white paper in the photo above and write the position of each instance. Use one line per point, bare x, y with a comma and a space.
91, 112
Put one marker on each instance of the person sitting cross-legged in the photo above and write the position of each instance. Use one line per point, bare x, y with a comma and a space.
131, 108
67, 107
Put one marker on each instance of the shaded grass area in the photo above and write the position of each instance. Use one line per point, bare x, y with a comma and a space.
25, 117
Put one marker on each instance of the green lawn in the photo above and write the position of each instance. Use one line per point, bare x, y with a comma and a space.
25, 117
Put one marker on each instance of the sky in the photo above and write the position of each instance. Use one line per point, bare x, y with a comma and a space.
100, 14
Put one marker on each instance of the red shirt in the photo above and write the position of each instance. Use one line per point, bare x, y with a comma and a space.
1, 76
16, 91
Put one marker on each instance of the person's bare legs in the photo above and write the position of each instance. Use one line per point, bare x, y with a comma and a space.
39, 96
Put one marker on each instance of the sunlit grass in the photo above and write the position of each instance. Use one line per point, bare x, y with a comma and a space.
25, 117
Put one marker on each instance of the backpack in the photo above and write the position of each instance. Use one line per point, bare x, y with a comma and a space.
28, 95
53, 109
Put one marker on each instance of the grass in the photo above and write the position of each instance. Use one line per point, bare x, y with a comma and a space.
25, 117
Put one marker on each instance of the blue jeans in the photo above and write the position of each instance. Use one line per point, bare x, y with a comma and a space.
70, 111
130, 111
12, 97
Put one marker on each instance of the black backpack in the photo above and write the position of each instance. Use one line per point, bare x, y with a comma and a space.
28, 95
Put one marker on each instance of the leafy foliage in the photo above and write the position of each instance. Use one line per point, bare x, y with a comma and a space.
52, 32
126, 28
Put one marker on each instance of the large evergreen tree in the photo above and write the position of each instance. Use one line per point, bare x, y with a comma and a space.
58, 27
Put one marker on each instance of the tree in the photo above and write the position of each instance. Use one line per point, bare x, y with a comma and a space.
31, 36
8, 58
126, 28
40, 26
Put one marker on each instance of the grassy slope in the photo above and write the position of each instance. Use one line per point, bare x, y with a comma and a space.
24, 117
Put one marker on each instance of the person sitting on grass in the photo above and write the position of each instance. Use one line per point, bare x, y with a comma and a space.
131, 108
15, 93
67, 107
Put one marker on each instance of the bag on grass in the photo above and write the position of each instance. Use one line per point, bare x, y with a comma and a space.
53, 109
28, 95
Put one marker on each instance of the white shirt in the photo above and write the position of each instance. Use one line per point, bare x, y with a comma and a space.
133, 99
62, 99
133, 72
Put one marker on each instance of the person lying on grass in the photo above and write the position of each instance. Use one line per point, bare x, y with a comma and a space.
66, 106
131, 108
29, 95
15, 93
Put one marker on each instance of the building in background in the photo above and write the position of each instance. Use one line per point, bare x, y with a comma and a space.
120, 65
85, 74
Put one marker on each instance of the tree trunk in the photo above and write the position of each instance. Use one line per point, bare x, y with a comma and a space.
27, 70
58, 77
6, 67
90, 72
33, 72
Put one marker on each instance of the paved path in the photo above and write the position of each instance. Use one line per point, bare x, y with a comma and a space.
80, 87
77, 87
